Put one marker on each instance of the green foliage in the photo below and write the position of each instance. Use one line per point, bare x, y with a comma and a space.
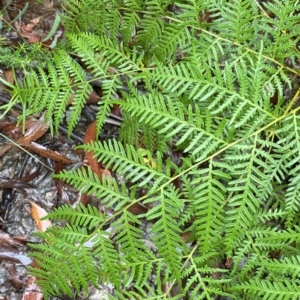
221, 91
23, 56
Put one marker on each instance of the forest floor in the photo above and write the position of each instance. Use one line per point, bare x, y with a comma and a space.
27, 188
30, 155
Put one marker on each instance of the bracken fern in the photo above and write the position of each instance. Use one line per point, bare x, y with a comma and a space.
217, 81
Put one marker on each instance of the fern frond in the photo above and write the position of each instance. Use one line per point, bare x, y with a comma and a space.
268, 289
246, 187
88, 217
107, 256
209, 146
165, 115
64, 82
130, 22
61, 261
270, 239
74, 22
208, 205
167, 232
128, 162
129, 237
171, 36
109, 191
151, 29
283, 267
200, 285
290, 151
283, 28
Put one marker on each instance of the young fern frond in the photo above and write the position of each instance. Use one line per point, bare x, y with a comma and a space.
247, 189
65, 82
283, 268
88, 217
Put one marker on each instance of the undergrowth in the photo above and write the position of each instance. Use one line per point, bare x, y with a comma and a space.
215, 81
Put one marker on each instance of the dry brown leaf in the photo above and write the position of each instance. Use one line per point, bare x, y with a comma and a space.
48, 153
26, 32
4, 123
37, 214
11, 129
91, 135
84, 198
93, 98
5, 149
137, 209
30, 25
62, 194
36, 131
32, 290
35, 21
9, 75
5, 238
16, 280
15, 183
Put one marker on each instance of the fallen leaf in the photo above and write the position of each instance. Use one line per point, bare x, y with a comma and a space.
137, 209
15, 183
35, 21
32, 290
93, 98
9, 75
5, 238
37, 214
16, 279
36, 131
116, 109
91, 135
48, 153
26, 32
84, 198
12, 132
30, 25
5, 149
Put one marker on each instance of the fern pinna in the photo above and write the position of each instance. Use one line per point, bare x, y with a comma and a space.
213, 80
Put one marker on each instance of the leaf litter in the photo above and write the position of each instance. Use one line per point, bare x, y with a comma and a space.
44, 156
37, 192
